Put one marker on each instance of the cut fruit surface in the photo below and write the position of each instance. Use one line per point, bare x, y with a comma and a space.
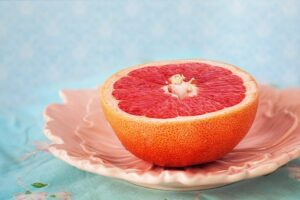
180, 113
172, 90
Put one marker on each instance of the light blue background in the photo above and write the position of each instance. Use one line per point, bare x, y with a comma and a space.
47, 42
48, 45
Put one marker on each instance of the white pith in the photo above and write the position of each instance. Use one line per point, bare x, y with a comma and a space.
251, 93
177, 87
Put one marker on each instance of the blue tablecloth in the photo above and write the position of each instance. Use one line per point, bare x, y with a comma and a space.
46, 46
22, 128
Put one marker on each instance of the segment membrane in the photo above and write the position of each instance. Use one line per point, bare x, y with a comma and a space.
140, 92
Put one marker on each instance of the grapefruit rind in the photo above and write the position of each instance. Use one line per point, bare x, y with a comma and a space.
184, 140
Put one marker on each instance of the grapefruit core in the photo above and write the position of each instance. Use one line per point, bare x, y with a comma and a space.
180, 113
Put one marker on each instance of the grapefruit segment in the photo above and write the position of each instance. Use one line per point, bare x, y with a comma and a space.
180, 113
153, 87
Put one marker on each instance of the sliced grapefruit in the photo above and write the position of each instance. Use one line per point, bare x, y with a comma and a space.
180, 113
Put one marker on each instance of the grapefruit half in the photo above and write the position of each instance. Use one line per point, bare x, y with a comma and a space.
180, 113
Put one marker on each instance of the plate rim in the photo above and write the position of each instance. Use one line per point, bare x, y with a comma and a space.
167, 177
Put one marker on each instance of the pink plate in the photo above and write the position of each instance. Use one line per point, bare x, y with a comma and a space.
82, 137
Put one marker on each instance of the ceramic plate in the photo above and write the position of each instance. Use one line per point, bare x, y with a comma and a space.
82, 137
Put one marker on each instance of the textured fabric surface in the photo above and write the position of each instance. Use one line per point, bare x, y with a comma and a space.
49, 45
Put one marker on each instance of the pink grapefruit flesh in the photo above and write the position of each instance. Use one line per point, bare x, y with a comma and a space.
180, 113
